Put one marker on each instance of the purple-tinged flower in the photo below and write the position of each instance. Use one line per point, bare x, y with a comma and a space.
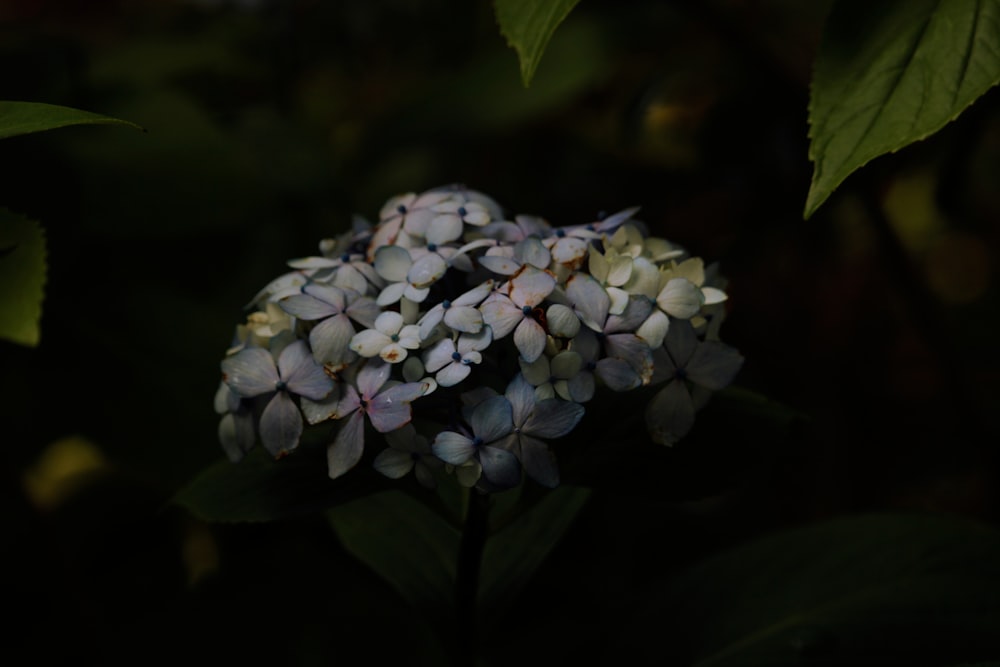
253, 372
407, 215
512, 308
490, 422
236, 426
388, 409
707, 365
408, 450
532, 420
458, 314
521, 228
332, 309
508, 260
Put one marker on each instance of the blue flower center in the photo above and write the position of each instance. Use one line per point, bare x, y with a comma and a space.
560, 233
432, 247
680, 374
591, 365
345, 258
456, 356
462, 212
477, 441
446, 304
394, 338
281, 385
526, 310
401, 209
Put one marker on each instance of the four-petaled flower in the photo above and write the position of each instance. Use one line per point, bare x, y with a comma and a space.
253, 372
387, 408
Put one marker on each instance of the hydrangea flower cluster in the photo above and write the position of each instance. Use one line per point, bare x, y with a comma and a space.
471, 339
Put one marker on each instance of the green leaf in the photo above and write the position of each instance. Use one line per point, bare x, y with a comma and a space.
891, 73
27, 117
406, 543
514, 554
528, 26
259, 488
888, 588
22, 278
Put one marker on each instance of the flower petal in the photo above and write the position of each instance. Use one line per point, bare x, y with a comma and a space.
500, 466
714, 365
280, 425
529, 337
670, 414
426, 270
521, 396
539, 462
680, 298
250, 372
236, 434
306, 307
369, 343
452, 374
553, 418
501, 314
371, 377
590, 301
392, 263
530, 286
452, 447
463, 318
391, 409
393, 463
331, 339
491, 419
346, 450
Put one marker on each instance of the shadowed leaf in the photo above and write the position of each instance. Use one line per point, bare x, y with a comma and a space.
891, 73
528, 26
27, 117
887, 589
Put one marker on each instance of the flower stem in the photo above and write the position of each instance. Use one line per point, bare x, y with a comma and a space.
470, 552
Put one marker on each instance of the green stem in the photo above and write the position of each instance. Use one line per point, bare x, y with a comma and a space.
470, 555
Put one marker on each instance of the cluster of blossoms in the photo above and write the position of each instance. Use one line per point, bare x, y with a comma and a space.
490, 334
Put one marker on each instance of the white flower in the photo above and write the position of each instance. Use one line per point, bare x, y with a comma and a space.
390, 339
452, 361
407, 278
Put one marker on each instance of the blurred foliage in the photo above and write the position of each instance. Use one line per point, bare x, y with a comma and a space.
271, 122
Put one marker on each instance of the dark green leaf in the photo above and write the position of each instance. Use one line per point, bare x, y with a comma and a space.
891, 73
406, 543
514, 554
887, 589
22, 278
258, 488
27, 117
528, 26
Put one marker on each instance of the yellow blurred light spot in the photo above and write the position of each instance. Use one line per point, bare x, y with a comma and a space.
61, 469
911, 210
957, 267
199, 552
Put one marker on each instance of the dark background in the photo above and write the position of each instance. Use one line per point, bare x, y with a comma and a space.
270, 123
